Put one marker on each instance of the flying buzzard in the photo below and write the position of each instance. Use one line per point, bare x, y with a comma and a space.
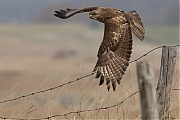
115, 50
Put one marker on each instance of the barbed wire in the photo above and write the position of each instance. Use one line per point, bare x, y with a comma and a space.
75, 112
78, 112
175, 89
150, 52
80, 78
49, 89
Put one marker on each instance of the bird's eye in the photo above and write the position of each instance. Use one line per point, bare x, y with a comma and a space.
107, 17
93, 14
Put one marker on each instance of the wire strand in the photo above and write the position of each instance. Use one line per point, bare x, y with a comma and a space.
49, 89
75, 112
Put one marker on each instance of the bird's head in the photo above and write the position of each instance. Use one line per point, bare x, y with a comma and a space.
94, 15
101, 14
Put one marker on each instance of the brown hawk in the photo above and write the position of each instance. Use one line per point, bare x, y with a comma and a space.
115, 50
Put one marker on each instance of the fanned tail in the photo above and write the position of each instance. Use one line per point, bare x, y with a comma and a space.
136, 24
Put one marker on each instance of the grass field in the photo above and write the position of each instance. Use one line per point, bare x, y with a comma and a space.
38, 57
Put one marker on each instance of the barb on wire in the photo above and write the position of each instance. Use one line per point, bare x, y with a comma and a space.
49, 89
76, 112
150, 52
176, 89
46, 90
145, 54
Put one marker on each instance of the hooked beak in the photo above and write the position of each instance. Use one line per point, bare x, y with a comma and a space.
90, 15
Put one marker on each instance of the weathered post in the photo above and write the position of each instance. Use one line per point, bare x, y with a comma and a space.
168, 61
147, 90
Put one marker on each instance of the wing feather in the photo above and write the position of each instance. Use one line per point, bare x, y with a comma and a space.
114, 53
101, 80
98, 74
136, 24
64, 14
116, 48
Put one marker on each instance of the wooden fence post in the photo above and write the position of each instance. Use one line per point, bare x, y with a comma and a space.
168, 61
147, 90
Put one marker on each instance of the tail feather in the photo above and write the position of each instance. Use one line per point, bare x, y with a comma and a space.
136, 24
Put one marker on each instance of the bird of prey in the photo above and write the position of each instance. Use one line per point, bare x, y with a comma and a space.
115, 50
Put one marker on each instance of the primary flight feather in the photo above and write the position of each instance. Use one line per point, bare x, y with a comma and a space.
115, 50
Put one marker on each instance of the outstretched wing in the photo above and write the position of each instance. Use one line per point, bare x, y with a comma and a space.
64, 14
114, 54
136, 24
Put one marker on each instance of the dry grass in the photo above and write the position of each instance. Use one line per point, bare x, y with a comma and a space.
27, 64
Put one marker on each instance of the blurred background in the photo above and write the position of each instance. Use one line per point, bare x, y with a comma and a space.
159, 12
39, 51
